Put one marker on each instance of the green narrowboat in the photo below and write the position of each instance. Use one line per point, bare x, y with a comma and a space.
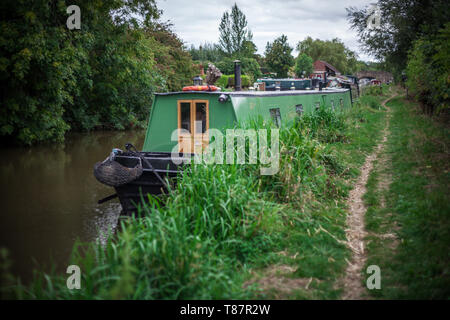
219, 110
178, 128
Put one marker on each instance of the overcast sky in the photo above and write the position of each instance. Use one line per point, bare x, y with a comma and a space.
197, 22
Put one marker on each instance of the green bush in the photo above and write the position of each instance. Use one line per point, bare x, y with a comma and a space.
428, 70
370, 101
245, 81
325, 124
373, 90
222, 81
227, 81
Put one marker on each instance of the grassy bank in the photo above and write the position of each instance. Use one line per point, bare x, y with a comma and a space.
228, 232
409, 209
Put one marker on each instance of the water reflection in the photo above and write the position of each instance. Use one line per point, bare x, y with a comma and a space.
49, 198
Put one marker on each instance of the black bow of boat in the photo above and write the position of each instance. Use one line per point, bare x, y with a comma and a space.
135, 174
112, 173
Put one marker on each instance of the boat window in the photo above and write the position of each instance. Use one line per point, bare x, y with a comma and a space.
200, 117
185, 114
276, 116
299, 109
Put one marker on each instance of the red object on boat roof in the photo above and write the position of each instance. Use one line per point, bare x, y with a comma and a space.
201, 88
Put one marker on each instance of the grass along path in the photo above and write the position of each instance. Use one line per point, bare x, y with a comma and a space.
355, 232
408, 216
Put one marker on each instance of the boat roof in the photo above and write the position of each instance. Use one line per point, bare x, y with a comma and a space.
283, 79
258, 93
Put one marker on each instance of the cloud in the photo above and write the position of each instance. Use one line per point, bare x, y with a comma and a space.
197, 22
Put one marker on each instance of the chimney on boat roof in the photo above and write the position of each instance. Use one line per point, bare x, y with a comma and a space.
198, 81
237, 75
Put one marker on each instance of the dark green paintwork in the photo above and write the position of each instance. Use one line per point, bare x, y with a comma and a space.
240, 106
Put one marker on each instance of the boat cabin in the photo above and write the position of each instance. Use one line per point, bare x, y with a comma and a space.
179, 121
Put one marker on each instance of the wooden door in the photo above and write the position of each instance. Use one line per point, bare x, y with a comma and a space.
193, 120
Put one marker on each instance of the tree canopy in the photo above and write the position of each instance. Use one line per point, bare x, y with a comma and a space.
411, 37
206, 52
400, 23
279, 56
428, 70
332, 51
101, 76
303, 65
234, 33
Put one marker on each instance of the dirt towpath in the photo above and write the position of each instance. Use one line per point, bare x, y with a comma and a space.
354, 288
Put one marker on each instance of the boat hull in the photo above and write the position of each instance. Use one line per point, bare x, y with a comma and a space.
133, 194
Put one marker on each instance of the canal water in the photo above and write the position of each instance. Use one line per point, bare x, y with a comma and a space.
49, 199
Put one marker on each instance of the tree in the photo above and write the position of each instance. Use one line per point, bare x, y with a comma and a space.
400, 23
249, 67
206, 52
428, 71
234, 33
249, 50
303, 65
278, 56
172, 60
54, 79
332, 51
